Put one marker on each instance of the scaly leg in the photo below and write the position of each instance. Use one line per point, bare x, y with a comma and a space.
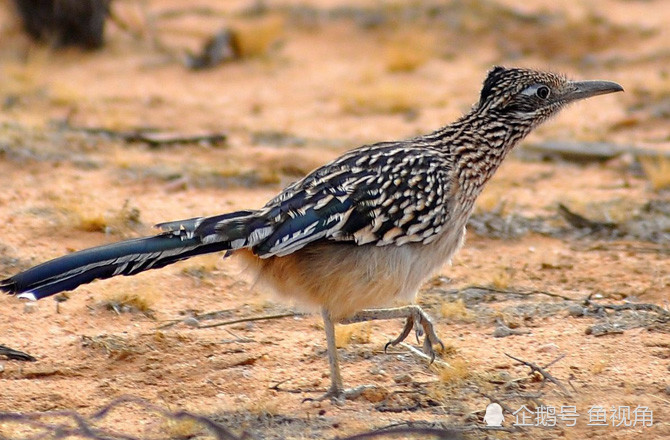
416, 318
336, 386
336, 392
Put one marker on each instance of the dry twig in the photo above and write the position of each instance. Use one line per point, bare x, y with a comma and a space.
545, 374
513, 292
67, 424
628, 306
422, 433
152, 137
251, 319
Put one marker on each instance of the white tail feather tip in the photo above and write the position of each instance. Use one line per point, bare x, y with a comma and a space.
27, 295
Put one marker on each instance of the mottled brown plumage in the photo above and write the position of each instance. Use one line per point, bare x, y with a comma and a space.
359, 233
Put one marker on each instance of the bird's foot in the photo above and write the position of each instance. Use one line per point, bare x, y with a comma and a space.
422, 325
339, 395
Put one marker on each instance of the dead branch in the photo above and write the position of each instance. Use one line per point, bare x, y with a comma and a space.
577, 152
421, 355
514, 292
251, 319
580, 222
545, 374
641, 248
500, 402
68, 424
584, 152
217, 429
196, 316
605, 329
438, 433
503, 330
152, 138
627, 306
79, 426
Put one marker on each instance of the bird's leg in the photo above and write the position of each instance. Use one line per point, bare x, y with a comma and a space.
416, 319
336, 387
336, 392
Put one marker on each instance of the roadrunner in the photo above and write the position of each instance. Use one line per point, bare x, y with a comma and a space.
359, 233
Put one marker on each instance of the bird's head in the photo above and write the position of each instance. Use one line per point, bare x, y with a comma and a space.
532, 96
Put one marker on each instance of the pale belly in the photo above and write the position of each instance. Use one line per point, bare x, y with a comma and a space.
345, 279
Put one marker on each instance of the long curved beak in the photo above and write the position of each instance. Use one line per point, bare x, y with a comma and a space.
587, 89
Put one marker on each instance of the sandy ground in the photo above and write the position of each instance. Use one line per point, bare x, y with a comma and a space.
327, 76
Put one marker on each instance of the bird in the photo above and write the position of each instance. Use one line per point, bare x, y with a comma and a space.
356, 237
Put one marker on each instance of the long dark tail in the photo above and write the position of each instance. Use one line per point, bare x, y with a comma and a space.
180, 240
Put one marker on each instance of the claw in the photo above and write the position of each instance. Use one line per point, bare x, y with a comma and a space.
430, 340
418, 332
422, 326
409, 325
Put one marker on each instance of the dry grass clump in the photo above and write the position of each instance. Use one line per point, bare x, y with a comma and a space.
202, 269
455, 372
449, 376
501, 279
409, 50
263, 408
657, 170
599, 366
124, 302
80, 216
544, 33
25, 78
61, 94
114, 222
380, 97
256, 37
112, 345
588, 35
181, 429
456, 311
358, 333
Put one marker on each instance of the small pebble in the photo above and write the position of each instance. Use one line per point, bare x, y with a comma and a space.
472, 418
377, 371
546, 348
667, 389
575, 310
375, 394
2, 368
29, 307
511, 386
502, 332
192, 322
402, 378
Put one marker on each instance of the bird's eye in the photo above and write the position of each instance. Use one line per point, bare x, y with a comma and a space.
543, 92
540, 90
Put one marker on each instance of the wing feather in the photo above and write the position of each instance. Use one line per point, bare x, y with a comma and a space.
384, 194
